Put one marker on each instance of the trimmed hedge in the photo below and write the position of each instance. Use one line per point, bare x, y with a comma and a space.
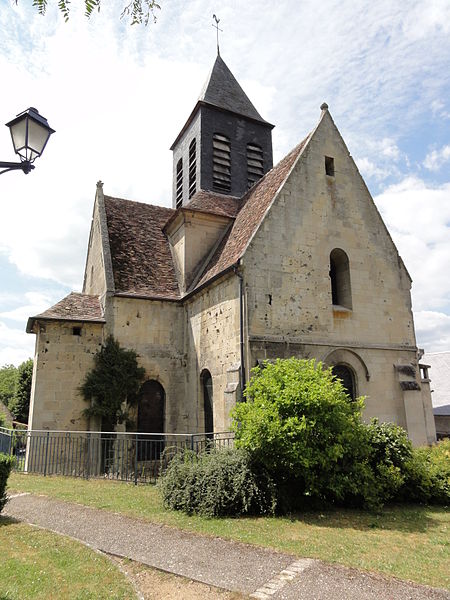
218, 482
6, 464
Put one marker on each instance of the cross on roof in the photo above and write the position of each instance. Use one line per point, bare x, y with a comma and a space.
217, 30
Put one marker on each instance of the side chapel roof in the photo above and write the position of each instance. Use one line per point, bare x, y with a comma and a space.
74, 307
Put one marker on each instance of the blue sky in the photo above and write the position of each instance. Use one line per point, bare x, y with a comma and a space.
118, 95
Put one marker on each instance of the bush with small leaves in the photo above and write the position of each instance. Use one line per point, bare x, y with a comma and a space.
6, 464
429, 474
300, 425
219, 482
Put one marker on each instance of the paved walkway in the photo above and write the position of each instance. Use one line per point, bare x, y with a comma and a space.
257, 572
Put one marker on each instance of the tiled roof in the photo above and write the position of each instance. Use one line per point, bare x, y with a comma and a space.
74, 307
218, 204
255, 204
222, 89
140, 253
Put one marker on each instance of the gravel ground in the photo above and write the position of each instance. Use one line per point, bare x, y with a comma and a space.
212, 561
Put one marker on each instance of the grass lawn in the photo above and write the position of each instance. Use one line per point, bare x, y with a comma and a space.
39, 564
410, 542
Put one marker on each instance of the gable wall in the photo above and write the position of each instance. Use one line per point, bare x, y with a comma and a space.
288, 288
313, 214
94, 275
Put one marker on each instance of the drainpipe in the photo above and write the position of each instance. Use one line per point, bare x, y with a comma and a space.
241, 328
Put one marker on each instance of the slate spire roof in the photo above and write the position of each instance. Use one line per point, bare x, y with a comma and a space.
222, 90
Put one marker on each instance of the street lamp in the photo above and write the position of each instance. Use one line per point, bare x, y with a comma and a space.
29, 132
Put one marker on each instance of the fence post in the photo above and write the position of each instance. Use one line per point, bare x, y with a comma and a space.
136, 460
192, 442
88, 466
46, 453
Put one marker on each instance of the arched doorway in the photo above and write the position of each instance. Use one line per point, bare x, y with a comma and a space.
150, 419
208, 405
347, 377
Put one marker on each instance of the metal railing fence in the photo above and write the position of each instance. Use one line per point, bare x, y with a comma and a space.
137, 457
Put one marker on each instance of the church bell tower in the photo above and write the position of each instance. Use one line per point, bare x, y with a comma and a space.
225, 145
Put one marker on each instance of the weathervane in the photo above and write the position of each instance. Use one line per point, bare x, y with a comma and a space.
217, 31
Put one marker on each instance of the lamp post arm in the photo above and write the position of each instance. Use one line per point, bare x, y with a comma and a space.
24, 166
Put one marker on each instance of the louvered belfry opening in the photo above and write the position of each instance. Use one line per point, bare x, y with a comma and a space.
179, 192
221, 163
192, 168
255, 163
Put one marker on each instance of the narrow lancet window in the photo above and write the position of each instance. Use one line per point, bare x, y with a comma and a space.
208, 406
179, 191
192, 168
341, 292
255, 163
221, 163
329, 166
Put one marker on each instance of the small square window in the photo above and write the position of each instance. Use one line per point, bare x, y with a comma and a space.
76, 330
329, 166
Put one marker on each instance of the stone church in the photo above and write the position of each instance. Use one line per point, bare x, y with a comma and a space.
252, 262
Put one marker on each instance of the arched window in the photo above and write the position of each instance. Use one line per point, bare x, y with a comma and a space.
341, 292
255, 163
347, 377
208, 405
179, 190
221, 163
150, 419
192, 167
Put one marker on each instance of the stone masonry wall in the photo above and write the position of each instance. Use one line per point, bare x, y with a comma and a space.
61, 362
154, 329
212, 342
288, 286
94, 275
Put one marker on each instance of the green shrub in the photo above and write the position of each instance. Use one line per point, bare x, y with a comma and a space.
301, 426
219, 482
429, 474
390, 456
6, 464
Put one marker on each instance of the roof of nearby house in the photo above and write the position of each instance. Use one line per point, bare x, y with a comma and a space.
439, 374
74, 307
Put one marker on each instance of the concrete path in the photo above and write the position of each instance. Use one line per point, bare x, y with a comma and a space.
257, 572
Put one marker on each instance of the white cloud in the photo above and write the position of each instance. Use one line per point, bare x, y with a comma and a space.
15, 345
439, 110
418, 218
370, 169
436, 158
432, 330
36, 303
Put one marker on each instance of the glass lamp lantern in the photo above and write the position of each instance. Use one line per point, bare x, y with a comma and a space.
30, 133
